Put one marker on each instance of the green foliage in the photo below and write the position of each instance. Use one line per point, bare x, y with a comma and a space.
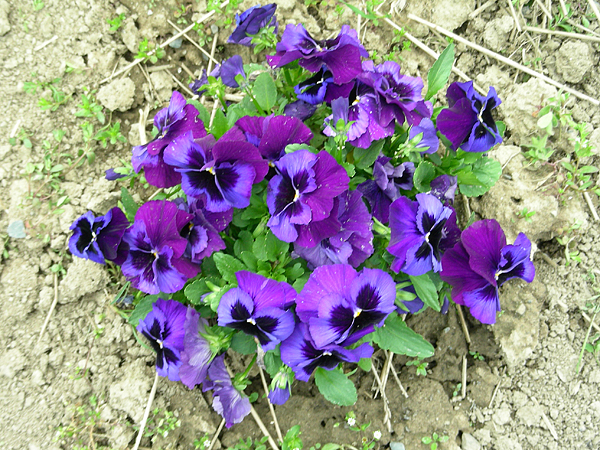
335, 386
89, 106
434, 440
477, 356
116, 22
370, 12
439, 74
37, 5
525, 214
57, 97
395, 336
420, 365
149, 51
160, 423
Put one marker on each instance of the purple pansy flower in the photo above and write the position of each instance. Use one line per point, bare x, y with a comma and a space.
444, 188
177, 119
300, 352
280, 387
413, 306
480, 263
202, 232
468, 122
300, 110
196, 355
99, 238
196, 85
250, 23
385, 186
303, 192
320, 88
341, 305
270, 134
112, 175
156, 261
223, 171
399, 95
362, 109
259, 307
227, 400
429, 142
341, 55
421, 231
228, 70
352, 244
164, 328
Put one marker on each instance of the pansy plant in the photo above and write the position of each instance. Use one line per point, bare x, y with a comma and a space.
308, 219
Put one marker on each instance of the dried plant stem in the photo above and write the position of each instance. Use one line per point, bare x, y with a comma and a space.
595, 9
142, 124
504, 59
463, 323
563, 7
213, 113
194, 43
266, 388
514, 15
544, 9
212, 54
546, 421
386, 407
546, 258
588, 200
586, 317
146, 413
385, 371
482, 8
463, 385
262, 427
584, 37
180, 84
397, 378
164, 44
494, 394
54, 302
432, 53
216, 435
44, 44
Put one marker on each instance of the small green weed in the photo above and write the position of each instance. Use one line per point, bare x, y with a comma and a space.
21, 138
477, 356
37, 5
434, 440
89, 106
525, 214
160, 423
58, 97
149, 51
420, 365
591, 345
85, 422
116, 22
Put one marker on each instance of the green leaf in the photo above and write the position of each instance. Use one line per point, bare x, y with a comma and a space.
219, 125
195, 290
243, 343
485, 173
365, 157
365, 364
265, 91
335, 387
424, 173
202, 112
268, 248
440, 72
398, 338
426, 291
129, 204
142, 309
272, 362
228, 266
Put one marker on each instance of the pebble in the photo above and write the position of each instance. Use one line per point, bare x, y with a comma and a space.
469, 442
502, 416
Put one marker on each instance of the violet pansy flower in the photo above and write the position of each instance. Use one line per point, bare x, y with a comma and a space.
320, 88
177, 119
341, 55
164, 328
300, 110
280, 388
341, 305
99, 238
300, 352
196, 355
250, 22
421, 231
429, 142
259, 307
223, 171
270, 134
468, 122
227, 400
228, 70
303, 192
351, 244
444, 188
480, 263
156, 261
385, 186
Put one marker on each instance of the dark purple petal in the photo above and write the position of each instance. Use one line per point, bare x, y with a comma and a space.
444, 189
300, 110
457, 123
483, 303
196, 355
484, 241
111, 175
230, 69
516, 261
251, 21
429, 142
457, 272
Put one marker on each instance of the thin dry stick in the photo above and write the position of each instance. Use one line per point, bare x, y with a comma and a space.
432, 53
212, 53
150, 83
146, 413
482, 8
194, 43
54, 302
546, 420
213, 113
547, 259
463, 323
158, 191
463, 388
159, 68
399, 382
503, 59
586, 317
142, 124
262, 427
386, 407
216, 436
544, 9
181, 85
588, 200
563, 7
188, 71
584, 37
164, 44
266, 388
13, 132
594, 8
514, 14
385, 372
494, 394
44, 44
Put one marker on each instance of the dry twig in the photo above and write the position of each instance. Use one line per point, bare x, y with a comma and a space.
463, 323
146, 413
216, 436
266, 388
584, 37
54, 302
194, 43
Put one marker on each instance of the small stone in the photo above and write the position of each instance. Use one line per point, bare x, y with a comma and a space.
574, 60
530, 415
506, 443
118, 95
37, 377
4, 23
397, 446
502, 416
469, 442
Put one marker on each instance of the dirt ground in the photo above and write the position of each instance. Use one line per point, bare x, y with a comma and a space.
86, 382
